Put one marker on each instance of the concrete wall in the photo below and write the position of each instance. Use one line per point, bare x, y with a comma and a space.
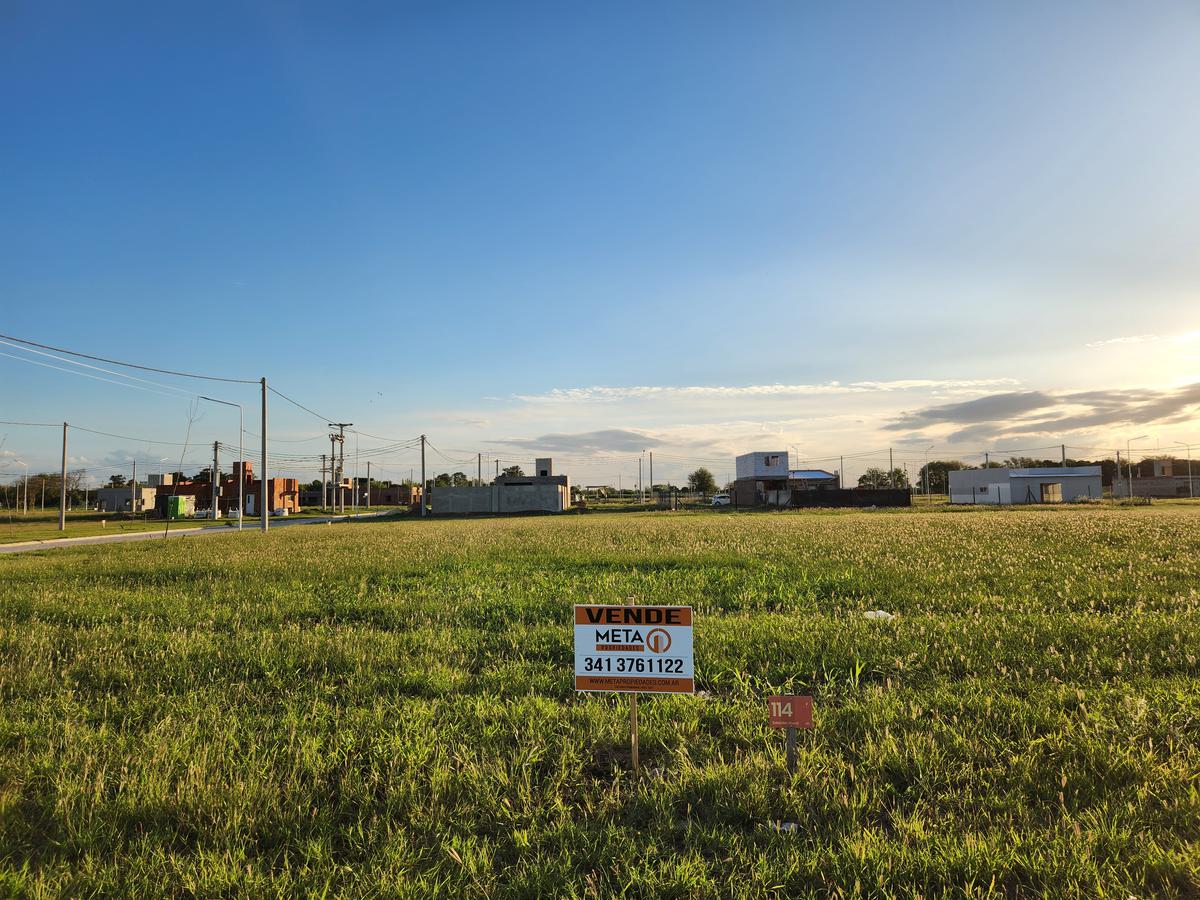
980, 486
551, 496
514, 498
1162, 486
117, 499
757, 465
761, 492
1029, 490
1004, 486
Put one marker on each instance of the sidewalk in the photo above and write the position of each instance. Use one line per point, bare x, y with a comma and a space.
26, 546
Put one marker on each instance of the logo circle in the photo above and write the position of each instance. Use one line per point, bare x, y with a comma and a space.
658, 640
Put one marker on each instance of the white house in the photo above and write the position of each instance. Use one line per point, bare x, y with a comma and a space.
762, 465
1049, 485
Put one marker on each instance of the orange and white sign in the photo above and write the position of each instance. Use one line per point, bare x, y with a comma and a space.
790, 711
634, 649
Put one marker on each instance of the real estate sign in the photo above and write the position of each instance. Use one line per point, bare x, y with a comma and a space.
634, 649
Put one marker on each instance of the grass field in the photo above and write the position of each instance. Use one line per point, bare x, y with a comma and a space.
387, 709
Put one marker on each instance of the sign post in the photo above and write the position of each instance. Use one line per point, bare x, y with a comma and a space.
632, 649
790, 711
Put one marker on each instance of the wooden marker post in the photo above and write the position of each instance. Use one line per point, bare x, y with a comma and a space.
790, 711
631, 650
633, 730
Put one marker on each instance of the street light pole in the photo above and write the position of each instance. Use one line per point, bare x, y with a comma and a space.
928, 499
1129, 460
25, 493
1191, 492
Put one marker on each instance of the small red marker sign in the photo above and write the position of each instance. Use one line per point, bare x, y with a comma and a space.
790, 711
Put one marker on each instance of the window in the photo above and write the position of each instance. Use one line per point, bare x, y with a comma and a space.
1052, 492
983, 489
770, 460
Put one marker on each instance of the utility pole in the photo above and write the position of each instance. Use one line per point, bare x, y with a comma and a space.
216, 483
1064, 455
841, 472
324, 484
63, 484
497, 468
641, 488
478, 470
332, 475
262, 476
423, 476
891, 469
340, 501
368, 484
652, 472
132, 491
986, 461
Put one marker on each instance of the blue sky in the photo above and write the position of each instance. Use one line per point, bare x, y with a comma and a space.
608, 227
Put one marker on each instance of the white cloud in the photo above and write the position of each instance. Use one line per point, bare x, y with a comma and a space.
601, 393
1181, 338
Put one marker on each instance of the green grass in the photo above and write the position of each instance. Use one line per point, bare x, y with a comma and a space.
387, 709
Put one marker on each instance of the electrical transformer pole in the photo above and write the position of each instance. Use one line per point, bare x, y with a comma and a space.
216, 483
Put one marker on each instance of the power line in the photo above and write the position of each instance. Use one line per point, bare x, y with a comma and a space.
128, 365
84, 365
45, 365
284, 396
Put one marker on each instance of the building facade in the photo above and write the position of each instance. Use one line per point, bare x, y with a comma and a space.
1068, 484
1165, 482
539, 493
282, 493
126, 499
761, 479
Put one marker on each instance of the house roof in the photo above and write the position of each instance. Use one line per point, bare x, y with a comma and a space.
810, 474
1057, 472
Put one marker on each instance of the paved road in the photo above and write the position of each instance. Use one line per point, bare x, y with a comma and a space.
26, 546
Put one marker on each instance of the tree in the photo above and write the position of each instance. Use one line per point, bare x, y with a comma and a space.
873, 478
458, 479
512, 472
442, 480
702, 482
938, 474
116, 481
876, 479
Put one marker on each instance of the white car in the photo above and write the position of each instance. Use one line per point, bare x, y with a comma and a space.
721, 500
